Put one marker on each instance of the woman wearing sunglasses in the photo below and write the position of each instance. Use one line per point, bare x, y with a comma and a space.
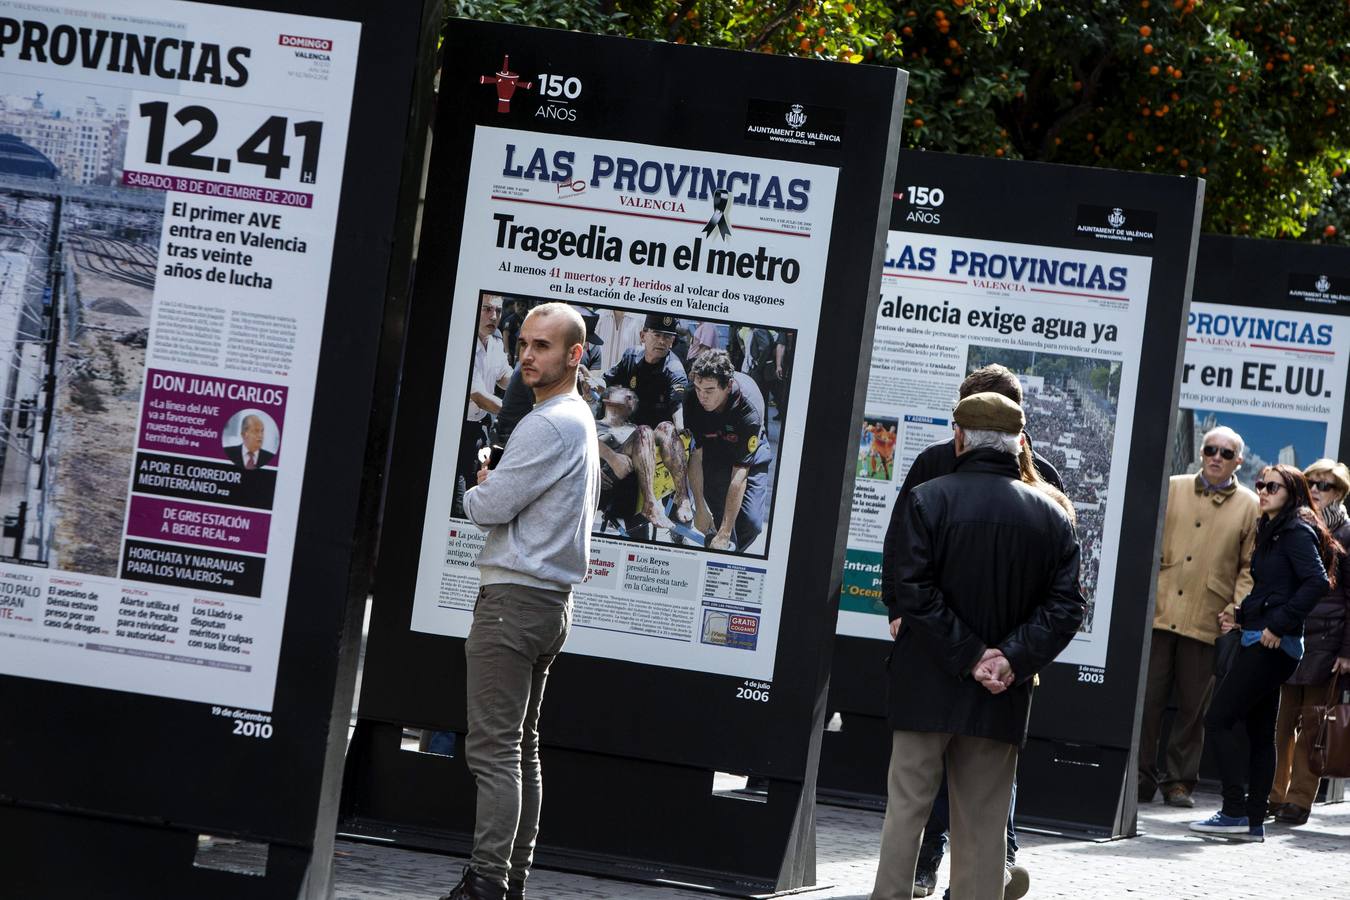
1326, 654
1289, 575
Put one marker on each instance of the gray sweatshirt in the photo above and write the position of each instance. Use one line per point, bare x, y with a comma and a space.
539, 503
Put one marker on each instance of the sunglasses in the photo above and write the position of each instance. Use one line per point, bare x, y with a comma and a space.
1210, 450
1270, 487
1325, 487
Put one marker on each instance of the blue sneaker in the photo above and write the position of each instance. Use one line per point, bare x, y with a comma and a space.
1221, 824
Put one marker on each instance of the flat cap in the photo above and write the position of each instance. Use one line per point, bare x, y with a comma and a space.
989, 411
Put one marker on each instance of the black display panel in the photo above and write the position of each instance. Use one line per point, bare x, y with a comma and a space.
1078, 280
543, 130
1266, 351
218, 273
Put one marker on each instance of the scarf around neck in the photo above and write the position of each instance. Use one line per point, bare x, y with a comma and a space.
1334, 515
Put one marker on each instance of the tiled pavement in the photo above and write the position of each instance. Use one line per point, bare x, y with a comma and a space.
1167, 862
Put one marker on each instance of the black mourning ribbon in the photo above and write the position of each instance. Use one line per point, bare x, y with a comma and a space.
718, 222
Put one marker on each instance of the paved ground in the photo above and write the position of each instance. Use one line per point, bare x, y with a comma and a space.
1167, 862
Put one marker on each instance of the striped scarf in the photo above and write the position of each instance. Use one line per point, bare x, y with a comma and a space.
1333, 514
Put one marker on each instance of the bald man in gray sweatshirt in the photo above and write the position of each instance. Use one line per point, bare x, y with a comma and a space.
538, 506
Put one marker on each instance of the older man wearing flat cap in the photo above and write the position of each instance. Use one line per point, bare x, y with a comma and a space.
985, 594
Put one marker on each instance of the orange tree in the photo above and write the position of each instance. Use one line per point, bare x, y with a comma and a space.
1252, 97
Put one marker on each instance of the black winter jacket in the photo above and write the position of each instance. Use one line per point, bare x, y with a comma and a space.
1326, 631
980, 560
1288, 578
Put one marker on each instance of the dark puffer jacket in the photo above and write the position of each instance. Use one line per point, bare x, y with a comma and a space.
1287, 578
1326, 631
980, 560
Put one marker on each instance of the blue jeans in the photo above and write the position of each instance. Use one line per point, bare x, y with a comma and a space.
939, 823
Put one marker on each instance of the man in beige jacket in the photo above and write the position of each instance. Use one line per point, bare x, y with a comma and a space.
1208, 535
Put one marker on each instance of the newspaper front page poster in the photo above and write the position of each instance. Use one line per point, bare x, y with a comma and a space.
1069, 323
1276, 377
729, 253
169, 181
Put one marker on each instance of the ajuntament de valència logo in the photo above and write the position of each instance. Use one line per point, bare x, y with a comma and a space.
1117, 217
796, 117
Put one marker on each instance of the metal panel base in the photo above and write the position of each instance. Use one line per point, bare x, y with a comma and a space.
607, 816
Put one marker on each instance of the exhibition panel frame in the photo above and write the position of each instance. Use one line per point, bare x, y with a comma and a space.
1077, 279
207, 239
740, 200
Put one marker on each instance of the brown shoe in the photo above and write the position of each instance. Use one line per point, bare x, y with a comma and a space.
1179, 796
1290, 814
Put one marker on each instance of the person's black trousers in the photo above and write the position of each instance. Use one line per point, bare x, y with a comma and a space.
1248, 697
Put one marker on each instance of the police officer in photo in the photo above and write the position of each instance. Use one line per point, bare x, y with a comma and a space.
730, 456
655, 375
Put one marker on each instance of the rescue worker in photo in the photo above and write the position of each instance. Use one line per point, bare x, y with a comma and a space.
657, 379
729, 458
